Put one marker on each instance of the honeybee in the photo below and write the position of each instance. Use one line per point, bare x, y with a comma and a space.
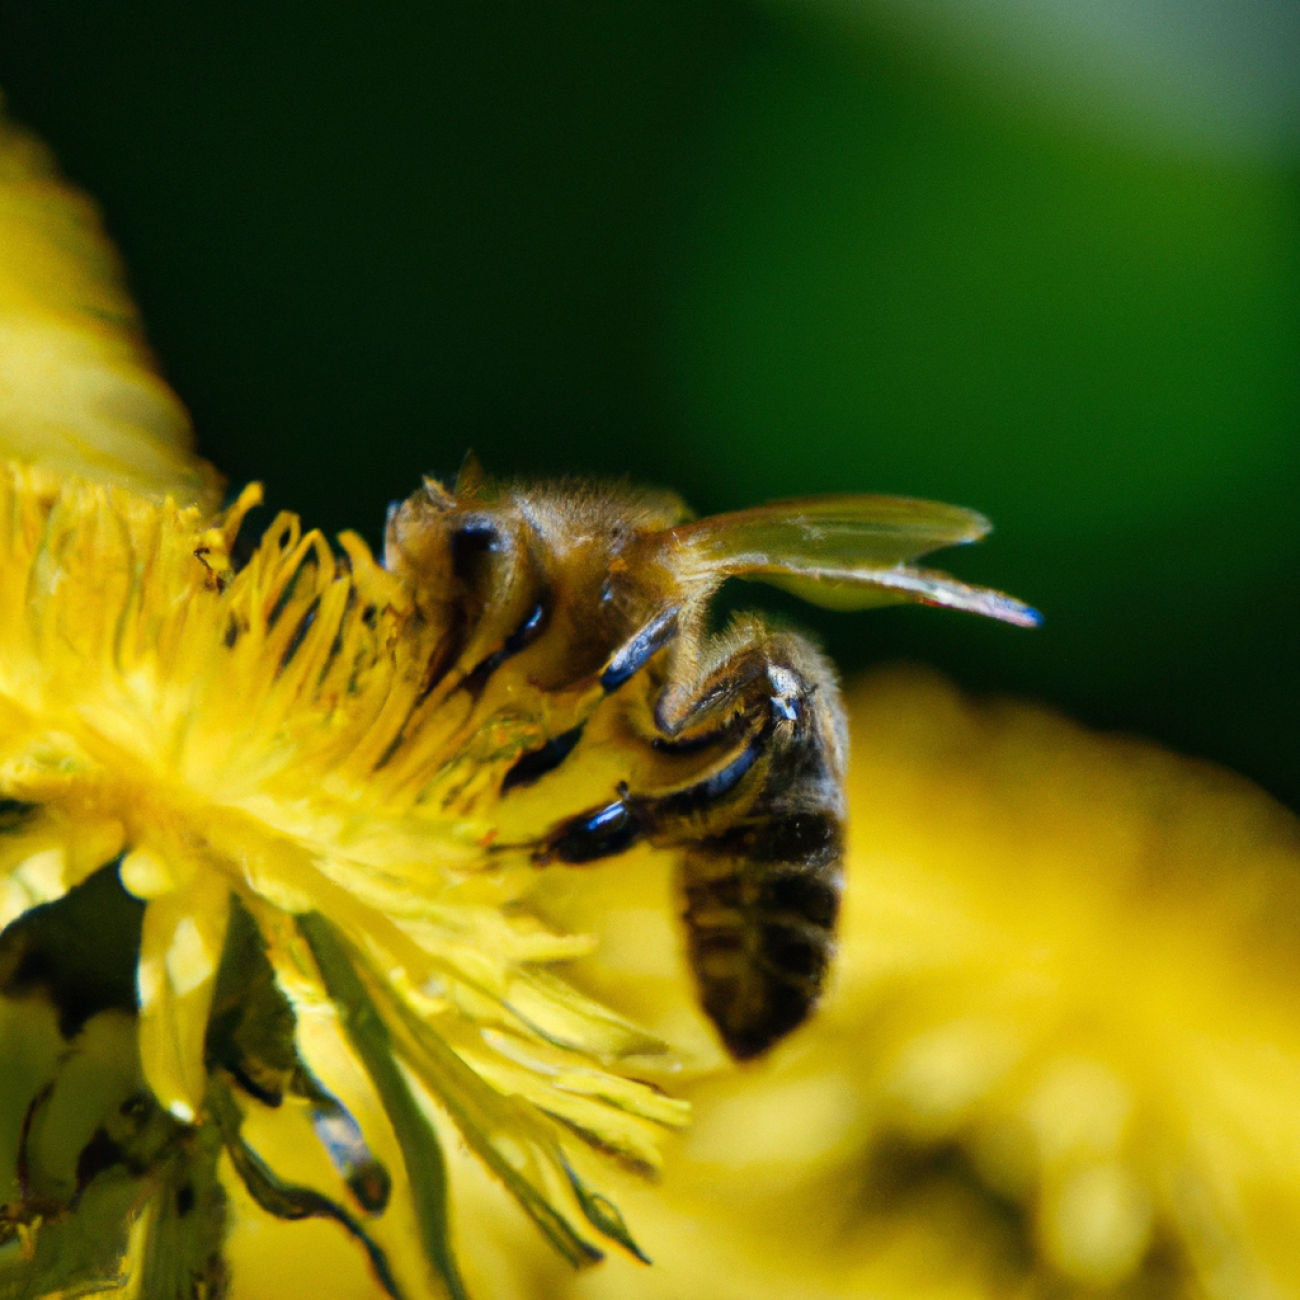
575, 619
244, 783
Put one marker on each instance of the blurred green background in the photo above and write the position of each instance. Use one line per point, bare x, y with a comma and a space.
747, 251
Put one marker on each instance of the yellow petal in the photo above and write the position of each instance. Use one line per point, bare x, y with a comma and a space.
146, 873
1060, 1055
180, 949
78, 389
44, 853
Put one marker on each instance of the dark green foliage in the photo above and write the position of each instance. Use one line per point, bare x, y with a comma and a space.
79, 951
284, 1200
251, 1024
108, 1181
422, 1155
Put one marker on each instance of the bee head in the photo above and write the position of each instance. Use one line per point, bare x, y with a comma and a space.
496, 565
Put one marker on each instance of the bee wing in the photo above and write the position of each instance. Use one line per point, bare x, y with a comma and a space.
847, 552
79, 391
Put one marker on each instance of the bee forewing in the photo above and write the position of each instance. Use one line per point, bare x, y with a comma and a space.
836, 532
847, 552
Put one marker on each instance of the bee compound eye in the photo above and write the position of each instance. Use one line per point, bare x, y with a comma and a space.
470, 543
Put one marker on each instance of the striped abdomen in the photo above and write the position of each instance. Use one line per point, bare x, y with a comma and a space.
761, 838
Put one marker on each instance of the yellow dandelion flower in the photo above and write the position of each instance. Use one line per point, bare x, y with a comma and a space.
1059, 1057
219, 736
270, 831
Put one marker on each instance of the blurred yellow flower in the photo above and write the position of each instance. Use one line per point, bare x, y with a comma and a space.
78, 391
1061, 1054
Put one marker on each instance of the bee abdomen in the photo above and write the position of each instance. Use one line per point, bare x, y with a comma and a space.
761, 906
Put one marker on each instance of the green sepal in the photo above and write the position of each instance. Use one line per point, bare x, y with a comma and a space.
148, 1209
603, 1214
426, 1169
479, 1112
286, 1200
